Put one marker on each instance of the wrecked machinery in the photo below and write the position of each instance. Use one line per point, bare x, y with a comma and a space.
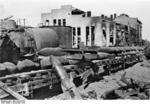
33, 65
87, 65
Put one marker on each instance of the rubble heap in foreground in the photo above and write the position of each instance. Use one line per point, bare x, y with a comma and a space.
121, 85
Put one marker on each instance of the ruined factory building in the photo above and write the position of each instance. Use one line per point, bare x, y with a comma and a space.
74, 55
95, 30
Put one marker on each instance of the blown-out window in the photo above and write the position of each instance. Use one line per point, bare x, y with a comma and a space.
54, 22
59, 22
74, 31
64, 22
87, 34
74, 34
47, 22
79, 31
79, 40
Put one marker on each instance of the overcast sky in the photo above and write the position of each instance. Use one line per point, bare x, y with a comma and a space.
31, 9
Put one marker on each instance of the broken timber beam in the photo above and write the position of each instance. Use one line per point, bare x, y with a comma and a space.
11, 92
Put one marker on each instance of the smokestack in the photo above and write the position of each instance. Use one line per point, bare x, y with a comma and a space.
115, 15
88, 13
111, 17
102, 16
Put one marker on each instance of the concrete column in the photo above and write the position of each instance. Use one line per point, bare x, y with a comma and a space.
83, 35
107, 34
98, 34
114, 34
76, 38
90, 41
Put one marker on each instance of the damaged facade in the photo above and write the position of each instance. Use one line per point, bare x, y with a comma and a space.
95, 30
130, 29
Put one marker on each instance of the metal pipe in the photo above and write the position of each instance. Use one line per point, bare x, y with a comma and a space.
66, 81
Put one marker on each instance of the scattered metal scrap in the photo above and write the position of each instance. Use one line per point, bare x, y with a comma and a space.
87, 69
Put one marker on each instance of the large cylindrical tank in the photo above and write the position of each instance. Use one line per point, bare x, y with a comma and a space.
18, 38
44, 37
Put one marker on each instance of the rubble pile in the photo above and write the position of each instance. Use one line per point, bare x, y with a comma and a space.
8, 68
137, 82
95, 90
132, 83
139, 72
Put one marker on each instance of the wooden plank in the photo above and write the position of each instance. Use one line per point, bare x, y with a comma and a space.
24, 73
28, 73
11, 92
